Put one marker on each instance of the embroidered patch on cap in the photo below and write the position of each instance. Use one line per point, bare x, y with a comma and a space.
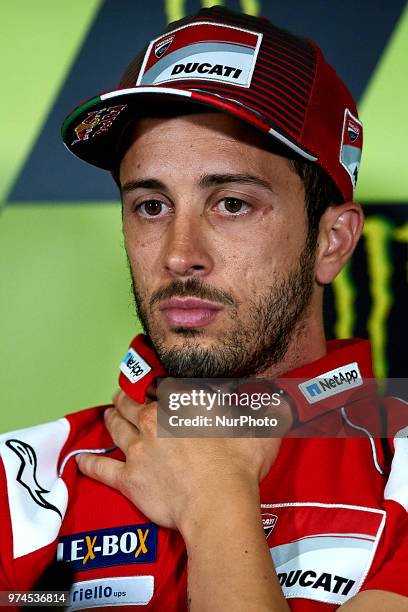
202, 51
162, 46
133, 366
97, 122
351, 145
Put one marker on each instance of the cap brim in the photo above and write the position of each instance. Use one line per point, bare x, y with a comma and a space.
93, 130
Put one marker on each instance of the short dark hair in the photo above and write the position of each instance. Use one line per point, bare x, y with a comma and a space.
320, 192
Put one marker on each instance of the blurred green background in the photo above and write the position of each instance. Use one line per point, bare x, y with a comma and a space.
66, 311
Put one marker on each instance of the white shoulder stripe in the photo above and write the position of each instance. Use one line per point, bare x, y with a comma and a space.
368, 434
397, 485
37, 497
95, 451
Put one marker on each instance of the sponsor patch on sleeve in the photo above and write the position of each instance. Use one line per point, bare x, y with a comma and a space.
202, 51
107, 547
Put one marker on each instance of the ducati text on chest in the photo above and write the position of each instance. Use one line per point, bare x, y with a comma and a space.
328, 582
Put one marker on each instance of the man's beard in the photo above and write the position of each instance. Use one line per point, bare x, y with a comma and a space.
255, 344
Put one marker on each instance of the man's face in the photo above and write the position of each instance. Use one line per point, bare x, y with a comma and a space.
215, 231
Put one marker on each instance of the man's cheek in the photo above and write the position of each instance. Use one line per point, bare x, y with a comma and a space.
144, 271
250, 278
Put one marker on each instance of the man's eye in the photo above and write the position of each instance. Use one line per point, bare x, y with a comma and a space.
233, 206
152, 208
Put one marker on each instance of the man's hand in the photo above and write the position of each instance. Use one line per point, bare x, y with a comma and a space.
175, 480
207, 488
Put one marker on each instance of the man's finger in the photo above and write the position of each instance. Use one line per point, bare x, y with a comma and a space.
128, 408
103, 469
116, 396
123, 432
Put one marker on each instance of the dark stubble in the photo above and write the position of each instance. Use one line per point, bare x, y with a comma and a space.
255, 344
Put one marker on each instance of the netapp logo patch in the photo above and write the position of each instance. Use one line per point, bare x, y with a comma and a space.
331, 383
106, 547
134, 366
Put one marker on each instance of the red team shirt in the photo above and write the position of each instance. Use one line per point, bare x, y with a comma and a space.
334, 509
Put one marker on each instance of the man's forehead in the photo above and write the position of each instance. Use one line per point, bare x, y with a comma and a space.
216, 123
193, 127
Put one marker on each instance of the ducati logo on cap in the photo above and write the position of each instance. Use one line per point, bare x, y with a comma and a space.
351, 145
353, 133
161, 47
202, 51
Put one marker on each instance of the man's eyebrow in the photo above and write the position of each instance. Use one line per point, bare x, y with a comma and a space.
211, 180
147, 183
207, 180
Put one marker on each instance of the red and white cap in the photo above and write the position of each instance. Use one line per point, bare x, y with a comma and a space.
241, 65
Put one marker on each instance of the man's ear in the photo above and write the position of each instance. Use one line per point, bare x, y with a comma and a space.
339, 230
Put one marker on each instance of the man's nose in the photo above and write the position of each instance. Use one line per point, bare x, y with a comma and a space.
186, 250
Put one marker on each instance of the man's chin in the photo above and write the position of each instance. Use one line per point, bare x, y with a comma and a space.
174, 336
187, 332
184, 350
178, 337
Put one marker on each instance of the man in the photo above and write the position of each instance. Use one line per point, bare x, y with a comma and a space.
236, 148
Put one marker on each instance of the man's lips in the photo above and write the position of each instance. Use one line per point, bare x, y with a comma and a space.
189, 311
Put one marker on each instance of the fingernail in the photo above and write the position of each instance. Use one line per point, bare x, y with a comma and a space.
107, 412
